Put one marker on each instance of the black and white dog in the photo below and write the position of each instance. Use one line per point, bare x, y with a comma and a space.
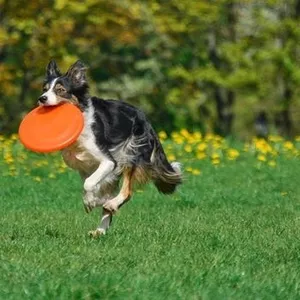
117, 141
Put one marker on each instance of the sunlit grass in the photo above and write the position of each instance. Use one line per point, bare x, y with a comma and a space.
231, 231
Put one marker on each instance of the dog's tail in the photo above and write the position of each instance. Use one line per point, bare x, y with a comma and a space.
166, 176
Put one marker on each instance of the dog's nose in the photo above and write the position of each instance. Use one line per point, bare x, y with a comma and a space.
43, 99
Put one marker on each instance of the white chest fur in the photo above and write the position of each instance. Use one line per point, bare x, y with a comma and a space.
84, 155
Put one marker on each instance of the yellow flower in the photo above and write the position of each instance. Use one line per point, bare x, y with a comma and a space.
162, 135
215, 156
272, 163
216, 145
189, 169
14, 137
9, 160
37, 178
12, 173
209, 137
232, 154
184, 133
171, 157
202, 147
216, 161
274, 153
201, 155
288, 145
196, 172
197, 136
188, 148
179, 140
275, 138
261, 157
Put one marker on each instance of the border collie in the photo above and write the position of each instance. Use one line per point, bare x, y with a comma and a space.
117, 142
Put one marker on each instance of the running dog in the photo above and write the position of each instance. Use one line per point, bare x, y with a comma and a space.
117, 142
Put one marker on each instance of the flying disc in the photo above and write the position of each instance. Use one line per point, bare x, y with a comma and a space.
51, 128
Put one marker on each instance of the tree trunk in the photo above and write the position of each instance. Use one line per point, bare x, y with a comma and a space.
224, 98
283, 120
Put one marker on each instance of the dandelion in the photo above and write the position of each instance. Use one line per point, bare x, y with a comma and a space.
197, 136
201, 155
233, 154
261, 157
184, 133
288, 145
162, 135
179, 141
14, 137
216, 161
215, 156
9, 159
189, 169
188, 148
202, 147
196, 172
171, 157
275, 138
274, 153
209, 137
12, 173
216, 145
272, 163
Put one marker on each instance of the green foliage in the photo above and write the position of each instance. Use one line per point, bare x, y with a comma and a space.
157, 55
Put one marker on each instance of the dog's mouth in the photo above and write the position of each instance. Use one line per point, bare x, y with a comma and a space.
49, 103
44, 101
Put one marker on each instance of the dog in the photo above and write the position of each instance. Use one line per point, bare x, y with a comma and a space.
117, 142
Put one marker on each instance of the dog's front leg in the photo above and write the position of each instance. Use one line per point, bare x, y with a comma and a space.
92, 183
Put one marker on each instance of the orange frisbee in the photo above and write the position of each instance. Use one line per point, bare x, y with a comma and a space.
51, 128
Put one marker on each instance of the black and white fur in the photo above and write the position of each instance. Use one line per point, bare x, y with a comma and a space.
117, 141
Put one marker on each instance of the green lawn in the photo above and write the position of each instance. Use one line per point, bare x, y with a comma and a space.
231, 233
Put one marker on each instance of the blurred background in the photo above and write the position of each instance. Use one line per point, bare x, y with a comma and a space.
227, 67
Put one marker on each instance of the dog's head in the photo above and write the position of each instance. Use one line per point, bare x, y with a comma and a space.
69, 87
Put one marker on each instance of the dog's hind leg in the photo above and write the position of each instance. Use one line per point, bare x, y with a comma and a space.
105, 222
124, 194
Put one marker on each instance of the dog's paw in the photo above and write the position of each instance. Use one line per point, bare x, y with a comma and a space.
96, 233
111, 205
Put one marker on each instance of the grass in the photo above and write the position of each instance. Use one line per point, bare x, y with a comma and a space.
231, 233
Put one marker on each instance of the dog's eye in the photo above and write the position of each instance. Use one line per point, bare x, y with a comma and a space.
44, 90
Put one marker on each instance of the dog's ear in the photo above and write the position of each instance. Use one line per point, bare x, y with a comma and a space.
77, 74
52, 69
